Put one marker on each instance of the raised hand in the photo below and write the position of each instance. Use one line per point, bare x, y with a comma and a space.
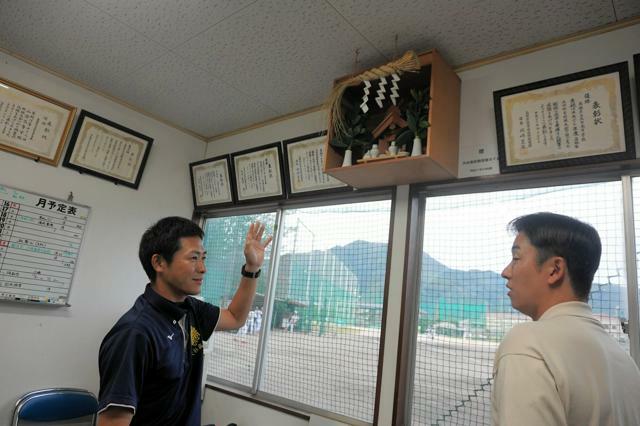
254, 247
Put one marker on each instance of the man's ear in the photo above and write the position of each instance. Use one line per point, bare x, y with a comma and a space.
557, 268
158, 262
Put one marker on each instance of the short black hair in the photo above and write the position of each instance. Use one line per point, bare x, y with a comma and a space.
578, 243
163, 238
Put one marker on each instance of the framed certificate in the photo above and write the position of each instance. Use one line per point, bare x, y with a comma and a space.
575, 119
304, 159
107, 150
212, 183
32, 124
258, 173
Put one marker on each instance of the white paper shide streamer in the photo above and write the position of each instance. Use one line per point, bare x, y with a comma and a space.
365, 98
381, 91
395, 78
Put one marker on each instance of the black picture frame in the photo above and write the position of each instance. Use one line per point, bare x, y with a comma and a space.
563, 88
636, 68
105, 141
250, 165
315, 160
204, 188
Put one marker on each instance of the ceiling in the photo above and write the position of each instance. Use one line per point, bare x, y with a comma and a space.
214, 66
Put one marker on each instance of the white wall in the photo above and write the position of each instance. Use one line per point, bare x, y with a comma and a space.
477, 118
477, 130
286, 129
49, 347
222, 409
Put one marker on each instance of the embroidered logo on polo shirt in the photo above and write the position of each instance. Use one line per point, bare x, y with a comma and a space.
170, 337
196, 342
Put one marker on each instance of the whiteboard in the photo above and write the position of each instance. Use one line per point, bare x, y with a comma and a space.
40, 240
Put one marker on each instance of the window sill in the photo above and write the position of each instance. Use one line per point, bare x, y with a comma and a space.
247, 397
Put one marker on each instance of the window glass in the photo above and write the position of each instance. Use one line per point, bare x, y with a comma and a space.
463, 308
327, 315
233, 353
325, 321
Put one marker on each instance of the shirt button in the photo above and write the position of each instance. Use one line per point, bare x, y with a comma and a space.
174, 321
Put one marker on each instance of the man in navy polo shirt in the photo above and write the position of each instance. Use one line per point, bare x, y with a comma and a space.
151, 360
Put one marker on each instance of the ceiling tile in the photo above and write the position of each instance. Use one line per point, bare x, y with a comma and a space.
182, 93
464, 30
626, 8
171, 22
213, 66
286, 56
75, 39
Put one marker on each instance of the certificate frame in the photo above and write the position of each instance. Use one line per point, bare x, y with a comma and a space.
247, 164
95, 138
212, 183
575, 119
42, 120
307, 152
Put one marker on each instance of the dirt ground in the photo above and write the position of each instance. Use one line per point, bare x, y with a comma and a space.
337, 372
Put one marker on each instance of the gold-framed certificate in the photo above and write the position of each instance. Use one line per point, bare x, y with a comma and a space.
575, 119
304, 159
31, 124
212, 183
258, 173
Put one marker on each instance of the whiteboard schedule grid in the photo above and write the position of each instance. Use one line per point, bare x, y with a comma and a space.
40, 240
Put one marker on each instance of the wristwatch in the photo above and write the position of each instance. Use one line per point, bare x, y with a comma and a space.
248, 274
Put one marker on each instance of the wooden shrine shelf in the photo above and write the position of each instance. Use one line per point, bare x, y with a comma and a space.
440, 158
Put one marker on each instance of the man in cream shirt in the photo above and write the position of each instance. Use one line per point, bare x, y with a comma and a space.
563, 368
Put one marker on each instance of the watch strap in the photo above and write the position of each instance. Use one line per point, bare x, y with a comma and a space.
248, 274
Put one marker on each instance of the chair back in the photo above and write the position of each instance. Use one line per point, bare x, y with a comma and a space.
57, 406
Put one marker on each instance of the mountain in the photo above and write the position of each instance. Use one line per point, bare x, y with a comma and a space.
368, 261
451, 287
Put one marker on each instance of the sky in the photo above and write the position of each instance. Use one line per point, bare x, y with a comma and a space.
469, 231
321, 228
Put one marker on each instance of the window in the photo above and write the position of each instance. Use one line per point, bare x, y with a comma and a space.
234, 352
634, 306
463, 310
324, 308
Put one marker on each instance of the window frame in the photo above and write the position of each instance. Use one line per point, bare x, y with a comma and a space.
620, 171
279, 207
